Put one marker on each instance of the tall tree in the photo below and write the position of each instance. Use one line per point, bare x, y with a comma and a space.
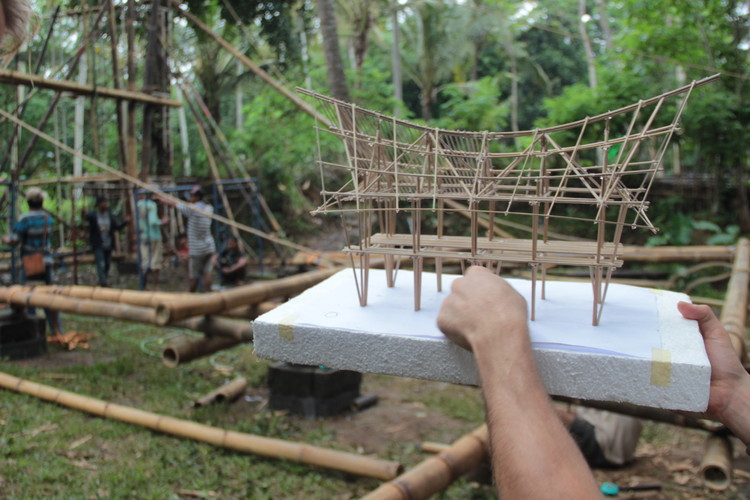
332, 50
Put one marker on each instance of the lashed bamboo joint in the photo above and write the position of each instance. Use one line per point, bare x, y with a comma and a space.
599, 163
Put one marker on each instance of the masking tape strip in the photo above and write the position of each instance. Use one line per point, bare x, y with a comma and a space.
661, 367
286, 327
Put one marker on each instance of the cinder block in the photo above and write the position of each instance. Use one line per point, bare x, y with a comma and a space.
312, 391
643, 352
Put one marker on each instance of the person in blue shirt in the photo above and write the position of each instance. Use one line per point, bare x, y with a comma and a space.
32, 233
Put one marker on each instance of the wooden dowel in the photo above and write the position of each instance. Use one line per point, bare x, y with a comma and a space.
437, 472
237, 441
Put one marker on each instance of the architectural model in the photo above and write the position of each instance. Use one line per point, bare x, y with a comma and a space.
601, 166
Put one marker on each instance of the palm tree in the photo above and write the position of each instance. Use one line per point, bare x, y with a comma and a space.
331, 50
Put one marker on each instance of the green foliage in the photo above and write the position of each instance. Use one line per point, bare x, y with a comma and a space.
473, 106
678, 228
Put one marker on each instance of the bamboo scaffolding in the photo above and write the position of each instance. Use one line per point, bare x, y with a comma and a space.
437, 472
227, 392
237, 441
218, 302
82, 89
18, 297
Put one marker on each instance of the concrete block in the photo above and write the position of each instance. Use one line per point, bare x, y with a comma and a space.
21, 336
643, 352
312, 391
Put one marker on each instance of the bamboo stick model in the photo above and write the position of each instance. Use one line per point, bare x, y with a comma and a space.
169, 311
392, 165
237, 441
227, 392
437, 472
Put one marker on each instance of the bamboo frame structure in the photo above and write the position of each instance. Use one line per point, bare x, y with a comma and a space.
437, 472
600, 164
237, 441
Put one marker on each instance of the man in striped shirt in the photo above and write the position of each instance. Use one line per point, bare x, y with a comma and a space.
200, 242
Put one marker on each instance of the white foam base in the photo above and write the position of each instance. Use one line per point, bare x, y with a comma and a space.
643, 352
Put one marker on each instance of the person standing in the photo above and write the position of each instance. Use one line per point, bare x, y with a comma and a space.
151, 248
102, 228
32, 232
200, 242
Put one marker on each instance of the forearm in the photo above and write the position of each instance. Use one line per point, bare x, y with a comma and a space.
533, 454
736, 415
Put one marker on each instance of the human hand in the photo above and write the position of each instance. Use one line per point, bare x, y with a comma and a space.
481, 306
727, 372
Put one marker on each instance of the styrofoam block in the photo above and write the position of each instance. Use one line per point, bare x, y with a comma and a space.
643, 352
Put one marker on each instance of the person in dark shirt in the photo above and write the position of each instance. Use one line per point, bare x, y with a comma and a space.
232, 263
102, 228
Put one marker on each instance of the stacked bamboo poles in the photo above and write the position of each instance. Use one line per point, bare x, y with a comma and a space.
237, 441
169, 311
437, 472
19, 297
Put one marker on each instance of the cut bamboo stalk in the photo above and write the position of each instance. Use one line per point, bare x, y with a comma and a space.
218, 302
237, 441
227, 392
122, 296
215, 327
183, 352
734, 312
437, 472
716, 466
17, 297
252, 311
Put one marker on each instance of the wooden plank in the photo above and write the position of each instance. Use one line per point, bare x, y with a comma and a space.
18, 78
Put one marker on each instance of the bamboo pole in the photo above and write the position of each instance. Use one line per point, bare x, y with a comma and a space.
82, 89
437, 472
237, 441
644, 412
227, 392
115, 295
716, 466
734, 313
632, 253
186, 351
16, 296
212, 326
218, 302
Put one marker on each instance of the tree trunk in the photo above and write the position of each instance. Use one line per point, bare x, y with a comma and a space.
398, 92
590, 62
336, 78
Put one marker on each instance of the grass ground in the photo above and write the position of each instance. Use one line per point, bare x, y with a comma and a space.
48, 451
